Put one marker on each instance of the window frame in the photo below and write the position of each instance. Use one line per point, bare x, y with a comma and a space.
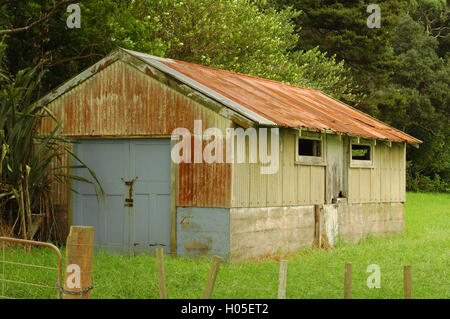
361, 163
310, 160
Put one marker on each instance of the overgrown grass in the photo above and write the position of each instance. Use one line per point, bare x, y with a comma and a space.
311, 274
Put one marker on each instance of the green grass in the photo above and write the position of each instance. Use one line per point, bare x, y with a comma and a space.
311, 274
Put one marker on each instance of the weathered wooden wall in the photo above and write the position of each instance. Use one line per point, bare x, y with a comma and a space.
296, 184
123, 102
292, 185
337, 166
383, 183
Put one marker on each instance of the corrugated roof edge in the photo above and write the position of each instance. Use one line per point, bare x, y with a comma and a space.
417, 141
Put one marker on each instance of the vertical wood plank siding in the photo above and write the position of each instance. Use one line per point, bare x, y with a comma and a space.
122, 102
295, 184
383, 183
292, 185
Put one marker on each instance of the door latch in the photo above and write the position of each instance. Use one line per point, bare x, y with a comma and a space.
129, 202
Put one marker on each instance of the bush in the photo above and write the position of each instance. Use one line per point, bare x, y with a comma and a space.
423, 183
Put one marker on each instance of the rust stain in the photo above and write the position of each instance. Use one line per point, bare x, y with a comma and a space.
186, 222
239, 122
149, 72
122, 102
194, 247
102, 66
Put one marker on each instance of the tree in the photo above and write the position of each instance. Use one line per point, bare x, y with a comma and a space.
418, 98
239, 36
105, 25
339, 28
233, 35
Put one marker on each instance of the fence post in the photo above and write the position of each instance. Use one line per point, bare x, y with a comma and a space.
212, 277
282, 279
317, 227
161, 273
79, 254
348, 281
407, 282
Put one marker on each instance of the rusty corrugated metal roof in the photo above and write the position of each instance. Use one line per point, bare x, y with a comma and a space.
283, 104
262, 101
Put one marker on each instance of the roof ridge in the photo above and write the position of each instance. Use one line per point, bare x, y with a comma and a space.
241, 74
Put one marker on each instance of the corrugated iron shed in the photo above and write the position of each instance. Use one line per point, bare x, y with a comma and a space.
262, 101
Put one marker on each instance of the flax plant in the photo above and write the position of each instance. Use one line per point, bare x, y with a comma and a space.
31, 164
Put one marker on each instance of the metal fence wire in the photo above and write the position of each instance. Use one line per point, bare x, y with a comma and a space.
4, 261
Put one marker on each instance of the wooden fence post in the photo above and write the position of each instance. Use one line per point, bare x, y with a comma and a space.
161, 273
79, 254
212, 277
407, 282
317, 227
282, 279
348, 281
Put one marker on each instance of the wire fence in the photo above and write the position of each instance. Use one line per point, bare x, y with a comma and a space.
21, 278
24, 275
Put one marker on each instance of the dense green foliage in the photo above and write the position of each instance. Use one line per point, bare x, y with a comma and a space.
401, 70
29, 163
311, 274
233, 35
398, 73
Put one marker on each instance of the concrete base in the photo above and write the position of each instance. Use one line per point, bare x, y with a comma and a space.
256, 232
357, 221
244, 233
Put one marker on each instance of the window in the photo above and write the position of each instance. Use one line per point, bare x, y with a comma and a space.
361, 152
310, 149
361, 155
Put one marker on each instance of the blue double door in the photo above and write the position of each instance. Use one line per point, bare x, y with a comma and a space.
134, 215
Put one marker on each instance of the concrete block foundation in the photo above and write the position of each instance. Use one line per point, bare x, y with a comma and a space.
245, 233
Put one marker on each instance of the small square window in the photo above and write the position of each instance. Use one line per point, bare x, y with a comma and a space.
361, 152
361, 155
310, 149
307, 147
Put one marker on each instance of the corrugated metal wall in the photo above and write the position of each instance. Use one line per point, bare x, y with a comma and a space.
122, 102
385, 182
292, 185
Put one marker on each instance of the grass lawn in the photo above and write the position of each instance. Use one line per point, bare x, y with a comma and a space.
311, 274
